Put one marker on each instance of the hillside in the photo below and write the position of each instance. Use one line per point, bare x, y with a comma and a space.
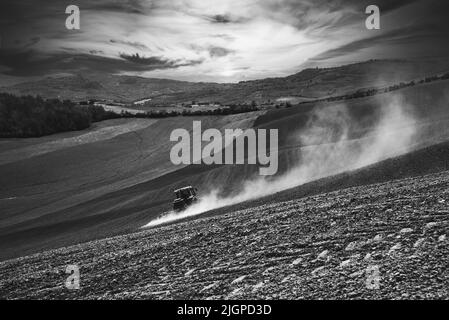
116, 177
381, 241
304, 85
45, 180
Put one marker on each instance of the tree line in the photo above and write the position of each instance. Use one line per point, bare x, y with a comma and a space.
223, 111
29, 116
374, 91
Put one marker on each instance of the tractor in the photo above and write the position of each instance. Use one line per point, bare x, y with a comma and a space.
185, 197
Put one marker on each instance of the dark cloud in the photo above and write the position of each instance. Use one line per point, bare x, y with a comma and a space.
390, 5
427, 35
157, 62
213, 51
26, 9
96, 52
219, 52
313, 13
31, 63
220, 18
30, 18
227, 19
148, 61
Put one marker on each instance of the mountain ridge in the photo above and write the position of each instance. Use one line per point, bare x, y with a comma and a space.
309, 83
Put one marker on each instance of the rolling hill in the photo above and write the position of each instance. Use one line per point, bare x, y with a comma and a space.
116, 177
371, 241
307, 84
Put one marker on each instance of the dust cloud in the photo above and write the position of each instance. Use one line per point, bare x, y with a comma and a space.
327, 148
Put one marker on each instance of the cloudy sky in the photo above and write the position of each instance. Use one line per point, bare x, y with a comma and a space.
212, 40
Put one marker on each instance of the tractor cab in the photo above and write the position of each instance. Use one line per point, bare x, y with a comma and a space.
184, 198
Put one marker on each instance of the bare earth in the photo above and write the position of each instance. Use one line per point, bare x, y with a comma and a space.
315, 247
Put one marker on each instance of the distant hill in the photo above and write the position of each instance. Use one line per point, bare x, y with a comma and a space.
307, 84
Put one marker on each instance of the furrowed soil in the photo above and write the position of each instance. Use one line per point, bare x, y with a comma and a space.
323, 246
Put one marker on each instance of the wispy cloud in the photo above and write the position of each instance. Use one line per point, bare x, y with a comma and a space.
203, 40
